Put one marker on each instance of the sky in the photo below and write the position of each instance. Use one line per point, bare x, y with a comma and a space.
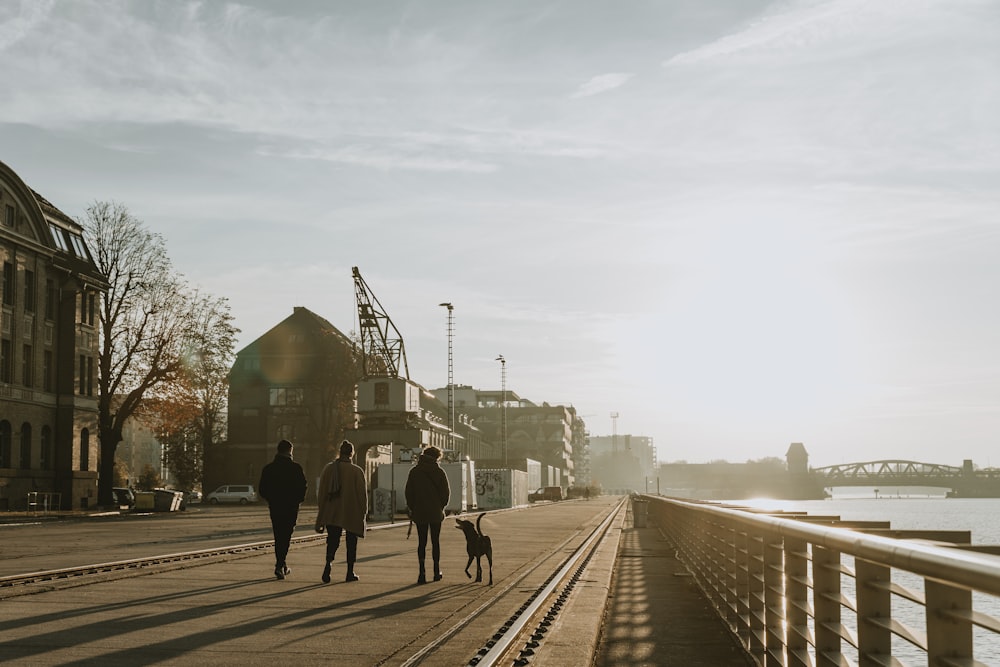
737, 224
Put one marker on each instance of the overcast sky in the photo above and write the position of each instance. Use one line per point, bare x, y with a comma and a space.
738, 224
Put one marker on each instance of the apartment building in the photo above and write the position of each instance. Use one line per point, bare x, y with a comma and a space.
49, 299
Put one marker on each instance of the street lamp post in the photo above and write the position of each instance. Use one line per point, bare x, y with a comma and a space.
451, 376
503, 407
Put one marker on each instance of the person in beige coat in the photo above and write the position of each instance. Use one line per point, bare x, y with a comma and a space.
343, 506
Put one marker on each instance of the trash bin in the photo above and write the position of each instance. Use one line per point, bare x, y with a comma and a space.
640, 509
167, 501
145, 500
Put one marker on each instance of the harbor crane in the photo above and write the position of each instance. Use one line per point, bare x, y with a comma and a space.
382, 351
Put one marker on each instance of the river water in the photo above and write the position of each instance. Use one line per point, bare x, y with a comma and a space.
911, 509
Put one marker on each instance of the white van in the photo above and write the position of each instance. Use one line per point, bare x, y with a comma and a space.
232, 493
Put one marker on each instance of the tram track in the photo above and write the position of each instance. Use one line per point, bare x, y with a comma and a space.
527, 626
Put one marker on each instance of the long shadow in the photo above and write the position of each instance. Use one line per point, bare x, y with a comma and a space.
39, 644
149, 654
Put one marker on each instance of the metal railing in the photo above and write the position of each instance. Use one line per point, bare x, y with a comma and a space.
796, 593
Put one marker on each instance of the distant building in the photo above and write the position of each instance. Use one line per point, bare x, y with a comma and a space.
547, 433
51, 293
626, 462
296, 382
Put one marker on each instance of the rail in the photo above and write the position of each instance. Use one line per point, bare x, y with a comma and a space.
795, 593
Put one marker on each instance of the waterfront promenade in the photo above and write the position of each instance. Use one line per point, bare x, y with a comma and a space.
633, 604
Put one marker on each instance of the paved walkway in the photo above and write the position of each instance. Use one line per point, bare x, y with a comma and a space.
235, 612
656, 616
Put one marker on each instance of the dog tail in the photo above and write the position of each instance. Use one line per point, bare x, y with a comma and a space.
478, 522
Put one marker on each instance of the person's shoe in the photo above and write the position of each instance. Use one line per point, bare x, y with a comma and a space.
351, 577
422, 579
279, 572
438, 576
285, 570
326, 574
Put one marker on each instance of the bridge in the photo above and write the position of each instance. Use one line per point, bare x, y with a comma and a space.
797, 481
962, 481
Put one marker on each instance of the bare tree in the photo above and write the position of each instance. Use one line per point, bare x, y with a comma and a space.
189, 410
150, 321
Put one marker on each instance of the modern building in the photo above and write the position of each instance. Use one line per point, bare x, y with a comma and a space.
51, 293
550, 434
624, 462
296, 382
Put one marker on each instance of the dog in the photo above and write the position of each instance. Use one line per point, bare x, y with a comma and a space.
477, 545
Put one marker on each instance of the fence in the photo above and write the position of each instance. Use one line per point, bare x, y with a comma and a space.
43, 502
798, 593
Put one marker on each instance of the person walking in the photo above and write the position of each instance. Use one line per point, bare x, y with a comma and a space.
427, 494
343, 506
283, 485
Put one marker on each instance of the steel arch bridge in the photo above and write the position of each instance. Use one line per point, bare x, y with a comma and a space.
893, 472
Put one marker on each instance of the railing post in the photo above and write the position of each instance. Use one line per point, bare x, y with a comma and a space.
732, 576
948, 634
774, 600
797, 602
755, 564
874, 613
741, 542
826, 606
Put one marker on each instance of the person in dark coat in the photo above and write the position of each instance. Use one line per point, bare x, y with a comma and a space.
343, 508
427, 494
283, 486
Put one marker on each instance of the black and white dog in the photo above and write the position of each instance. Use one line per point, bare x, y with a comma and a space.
477, 545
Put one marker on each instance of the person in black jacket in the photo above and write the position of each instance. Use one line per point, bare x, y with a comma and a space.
427, 494
283, 486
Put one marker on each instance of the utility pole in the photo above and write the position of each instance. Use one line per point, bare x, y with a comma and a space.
451, 376
614, 434
503, 408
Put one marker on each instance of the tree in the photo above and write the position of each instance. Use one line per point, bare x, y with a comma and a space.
150, 321
149, 479
188, 412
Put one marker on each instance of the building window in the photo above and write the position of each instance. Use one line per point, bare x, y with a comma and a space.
45, 449
83, 375
51, 298
8, 284
5, 444
78, 247
47, 371
29, 291
57, 236
285, 396
28, 367
92, 303
25, 462
90, 376
6, 363
84, 449
8, 218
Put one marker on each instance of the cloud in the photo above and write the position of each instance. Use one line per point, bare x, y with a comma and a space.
32, 16
602, 83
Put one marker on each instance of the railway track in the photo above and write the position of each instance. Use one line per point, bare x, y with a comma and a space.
545, 584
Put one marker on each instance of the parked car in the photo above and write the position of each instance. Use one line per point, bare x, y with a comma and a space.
124, 497
547, 493
232, 493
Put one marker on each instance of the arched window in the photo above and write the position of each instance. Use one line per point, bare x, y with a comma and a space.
45, 450
84, 449
25, 462
5, 444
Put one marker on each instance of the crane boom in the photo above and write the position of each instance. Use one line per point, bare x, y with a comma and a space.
382, 350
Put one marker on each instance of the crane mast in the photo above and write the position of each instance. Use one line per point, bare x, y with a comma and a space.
382, 350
